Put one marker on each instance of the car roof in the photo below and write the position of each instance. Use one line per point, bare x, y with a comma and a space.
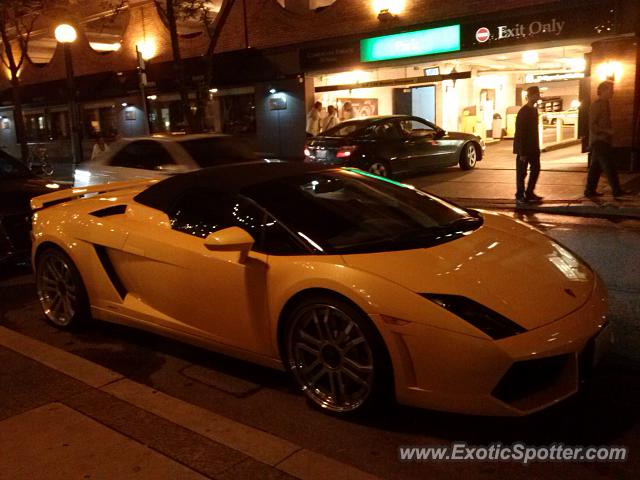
378, 118
177, 137
230, 178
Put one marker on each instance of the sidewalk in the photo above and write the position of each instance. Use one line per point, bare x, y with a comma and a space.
492, 184
63, 417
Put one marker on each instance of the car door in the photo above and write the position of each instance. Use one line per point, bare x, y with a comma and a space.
193, 289
387, 142
140, 159
420, 143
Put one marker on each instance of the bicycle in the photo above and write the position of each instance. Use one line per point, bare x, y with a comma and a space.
38, 161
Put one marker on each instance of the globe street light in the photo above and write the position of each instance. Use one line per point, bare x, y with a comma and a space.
66, 34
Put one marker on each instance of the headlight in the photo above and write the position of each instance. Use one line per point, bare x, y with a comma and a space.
481, 317
82, 175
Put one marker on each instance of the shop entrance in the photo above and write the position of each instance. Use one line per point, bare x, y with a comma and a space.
485, 103
417, 101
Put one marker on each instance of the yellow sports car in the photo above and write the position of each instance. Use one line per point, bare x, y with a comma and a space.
363, 288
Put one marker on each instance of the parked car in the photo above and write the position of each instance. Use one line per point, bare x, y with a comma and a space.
363, 289
160, 155
17, 187
393, 144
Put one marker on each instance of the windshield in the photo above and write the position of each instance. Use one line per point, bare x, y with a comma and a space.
12, 168
345, 129
208, 152
341, 212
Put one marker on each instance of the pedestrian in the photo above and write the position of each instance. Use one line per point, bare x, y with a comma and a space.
100, 148
526, 146
600, 141
332, 118
347, 111
313, 119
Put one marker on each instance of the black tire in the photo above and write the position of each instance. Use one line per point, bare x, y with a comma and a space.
469, 156
61, 291
382, 168
336, 356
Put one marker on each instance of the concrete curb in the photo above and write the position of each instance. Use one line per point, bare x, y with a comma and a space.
557, 207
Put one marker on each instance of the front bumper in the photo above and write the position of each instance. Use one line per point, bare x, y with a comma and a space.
519, 375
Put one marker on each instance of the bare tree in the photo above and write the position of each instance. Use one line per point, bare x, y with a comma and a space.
17, 22
202, 13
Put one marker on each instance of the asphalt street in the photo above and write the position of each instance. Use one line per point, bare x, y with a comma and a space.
604, 413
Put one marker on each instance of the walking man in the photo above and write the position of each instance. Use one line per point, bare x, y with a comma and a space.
600, 140
526, 146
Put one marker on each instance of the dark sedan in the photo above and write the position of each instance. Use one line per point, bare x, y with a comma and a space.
17, 187
393, 144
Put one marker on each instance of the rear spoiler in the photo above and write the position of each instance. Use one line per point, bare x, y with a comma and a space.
50, 199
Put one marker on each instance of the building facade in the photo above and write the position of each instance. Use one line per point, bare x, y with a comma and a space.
461, 64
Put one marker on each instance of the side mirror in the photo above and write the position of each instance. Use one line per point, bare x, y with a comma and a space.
232, 239
440, 133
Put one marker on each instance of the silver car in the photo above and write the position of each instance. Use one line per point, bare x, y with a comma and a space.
159, 155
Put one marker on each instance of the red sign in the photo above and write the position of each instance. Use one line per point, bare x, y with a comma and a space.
482, 34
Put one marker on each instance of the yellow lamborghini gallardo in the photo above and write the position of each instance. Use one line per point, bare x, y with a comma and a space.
364, 289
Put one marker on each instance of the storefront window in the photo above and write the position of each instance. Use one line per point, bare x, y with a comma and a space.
100, 121
36, 126
168, 116
238, 114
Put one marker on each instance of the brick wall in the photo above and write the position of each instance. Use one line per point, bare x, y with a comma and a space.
623, 51
143, 22
270, 25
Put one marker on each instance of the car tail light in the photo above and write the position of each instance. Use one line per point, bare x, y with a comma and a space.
345, 152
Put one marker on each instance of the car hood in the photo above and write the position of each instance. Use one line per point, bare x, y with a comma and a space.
504, 265
461, 136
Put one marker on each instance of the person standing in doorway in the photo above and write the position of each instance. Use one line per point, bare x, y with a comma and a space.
332, 118
600, 141
313, 119
100, 148
526, 146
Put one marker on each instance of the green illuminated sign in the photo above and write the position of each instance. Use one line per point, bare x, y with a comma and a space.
411, 44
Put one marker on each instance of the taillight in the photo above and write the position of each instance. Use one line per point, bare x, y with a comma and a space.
345, 152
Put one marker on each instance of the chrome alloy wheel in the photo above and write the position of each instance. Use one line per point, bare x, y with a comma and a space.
379, 168
471, 155
331, 358
57, 289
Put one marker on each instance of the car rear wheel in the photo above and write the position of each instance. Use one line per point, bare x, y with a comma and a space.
336, 356
380, 168
61, 292
469, 156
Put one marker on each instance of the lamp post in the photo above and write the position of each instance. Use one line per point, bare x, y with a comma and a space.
66, 35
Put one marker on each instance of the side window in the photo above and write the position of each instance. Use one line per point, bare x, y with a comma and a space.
386, 130
144, 154
416, 129
276, 240
202, 212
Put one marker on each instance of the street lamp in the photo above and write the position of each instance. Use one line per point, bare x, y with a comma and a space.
66, 35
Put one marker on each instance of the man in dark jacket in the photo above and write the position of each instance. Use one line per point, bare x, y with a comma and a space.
526, 146
600, 140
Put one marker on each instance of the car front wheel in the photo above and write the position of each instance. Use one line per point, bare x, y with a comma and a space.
380, 168
469, 156
336, 356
